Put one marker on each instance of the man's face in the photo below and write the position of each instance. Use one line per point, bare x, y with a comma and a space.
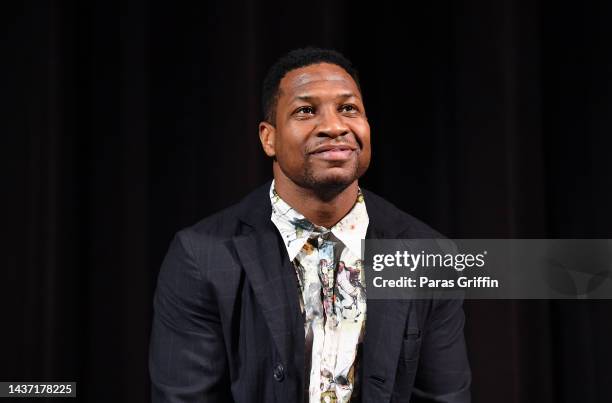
321, 137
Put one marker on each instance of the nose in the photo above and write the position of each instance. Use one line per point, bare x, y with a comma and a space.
332, 125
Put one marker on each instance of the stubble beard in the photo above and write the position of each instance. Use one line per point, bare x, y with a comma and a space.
327, 185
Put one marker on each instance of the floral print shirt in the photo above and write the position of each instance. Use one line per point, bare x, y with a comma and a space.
330, 278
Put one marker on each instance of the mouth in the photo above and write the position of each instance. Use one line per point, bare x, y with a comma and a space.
334, 153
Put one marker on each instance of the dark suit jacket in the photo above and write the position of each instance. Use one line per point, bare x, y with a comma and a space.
227, 324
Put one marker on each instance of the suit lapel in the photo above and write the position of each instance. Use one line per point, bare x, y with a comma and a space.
275, 287
271, 275
385, 323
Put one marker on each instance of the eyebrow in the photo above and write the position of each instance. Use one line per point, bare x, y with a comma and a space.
344, 95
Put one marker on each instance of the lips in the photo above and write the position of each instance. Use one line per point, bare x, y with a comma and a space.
334, 152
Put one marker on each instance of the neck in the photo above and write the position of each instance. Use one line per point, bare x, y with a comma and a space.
323, 208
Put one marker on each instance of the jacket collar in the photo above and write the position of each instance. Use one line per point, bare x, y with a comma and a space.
255, 211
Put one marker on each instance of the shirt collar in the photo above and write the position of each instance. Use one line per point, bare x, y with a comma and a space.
295, 229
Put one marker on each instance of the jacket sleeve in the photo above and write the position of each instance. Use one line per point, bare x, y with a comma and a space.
443, 375
187, 360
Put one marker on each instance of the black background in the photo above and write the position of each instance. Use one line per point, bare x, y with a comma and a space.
124, 122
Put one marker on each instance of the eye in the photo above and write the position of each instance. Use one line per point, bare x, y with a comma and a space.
348, 108
305, 110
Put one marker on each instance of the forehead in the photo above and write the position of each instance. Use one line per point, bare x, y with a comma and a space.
316, 78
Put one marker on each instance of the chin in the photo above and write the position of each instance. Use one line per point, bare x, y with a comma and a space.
336, 180
331, 181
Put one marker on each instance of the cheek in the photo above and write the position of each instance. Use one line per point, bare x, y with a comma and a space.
291, 142
289, 152
364, 157
362, 132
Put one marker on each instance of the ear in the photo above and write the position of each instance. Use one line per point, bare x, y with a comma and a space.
267, 136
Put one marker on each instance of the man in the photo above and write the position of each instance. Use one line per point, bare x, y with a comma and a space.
248, 307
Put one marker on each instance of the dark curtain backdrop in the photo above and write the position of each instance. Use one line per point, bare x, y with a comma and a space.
124, 122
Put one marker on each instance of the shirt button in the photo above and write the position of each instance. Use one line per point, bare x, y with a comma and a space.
279, 372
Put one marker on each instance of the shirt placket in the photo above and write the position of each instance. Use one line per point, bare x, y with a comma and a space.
326, 273
326, 249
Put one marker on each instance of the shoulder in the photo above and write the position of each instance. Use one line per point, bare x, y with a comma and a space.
230, 221
395, 222
221, 224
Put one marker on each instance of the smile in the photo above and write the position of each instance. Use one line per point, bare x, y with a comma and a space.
334, 154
